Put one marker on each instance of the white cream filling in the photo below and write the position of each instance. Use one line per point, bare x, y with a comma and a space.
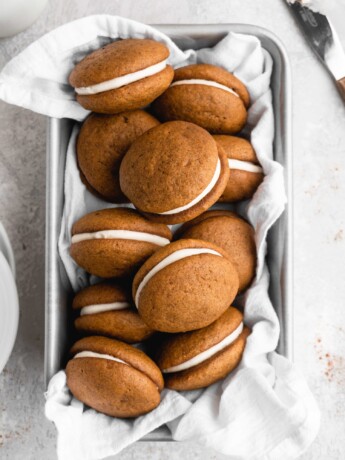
244, 166
170, 259
200, 196
201, 357
196, 81
121, 235
118, 82
92, 354
102, 307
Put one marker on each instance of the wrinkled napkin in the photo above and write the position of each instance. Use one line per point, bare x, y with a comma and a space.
263, 410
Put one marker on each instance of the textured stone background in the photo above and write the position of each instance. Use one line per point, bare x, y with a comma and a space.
319, 225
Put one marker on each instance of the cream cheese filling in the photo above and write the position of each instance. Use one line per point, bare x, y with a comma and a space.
201, 357
202, 195
244, 166
92, 354
103, 307
170, 259
196, 81
124, 80
122, 235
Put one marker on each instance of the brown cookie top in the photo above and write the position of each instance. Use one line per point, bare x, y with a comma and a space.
125, 325
246, 174
119, 58
206, 95
101, 293
94, 191
107, 309
211, 370
169, 166
237, 148
131, 96
113, 243
171, 248
102, 142
230, 232
179, 348
112, 388
130, 355
184, 286
203, 202
213, 73
113, 378
119, 219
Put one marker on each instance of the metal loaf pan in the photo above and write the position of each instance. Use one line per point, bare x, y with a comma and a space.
279, 254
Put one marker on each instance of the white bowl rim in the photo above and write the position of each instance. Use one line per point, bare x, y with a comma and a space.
9, 308
8, 251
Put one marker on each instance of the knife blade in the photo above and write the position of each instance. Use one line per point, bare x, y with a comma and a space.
322, 38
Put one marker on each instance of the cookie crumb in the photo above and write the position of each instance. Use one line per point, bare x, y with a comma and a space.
339, 235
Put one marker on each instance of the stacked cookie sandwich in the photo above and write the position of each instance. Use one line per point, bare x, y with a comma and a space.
168, 144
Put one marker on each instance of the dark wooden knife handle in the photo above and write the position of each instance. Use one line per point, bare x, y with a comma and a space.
341, 87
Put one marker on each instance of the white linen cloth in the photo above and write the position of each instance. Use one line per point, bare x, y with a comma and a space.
264, 410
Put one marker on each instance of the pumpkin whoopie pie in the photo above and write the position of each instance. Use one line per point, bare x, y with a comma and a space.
115, 242
184, 286
230, 232
124, 75
174, 172
206, 95
197, 359
246, 174
113, 377
102, 142
107, 309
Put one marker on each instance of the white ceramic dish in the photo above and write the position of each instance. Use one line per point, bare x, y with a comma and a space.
9, 311
6, 249
17, 15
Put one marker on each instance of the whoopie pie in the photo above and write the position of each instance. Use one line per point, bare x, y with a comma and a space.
184, 286
206, 95
102, 142
113, 377
246, 174
107, 309
124, 75
115, 242
197, 359
230, 232
174, 172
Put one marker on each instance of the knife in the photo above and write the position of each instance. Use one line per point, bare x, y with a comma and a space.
323, 39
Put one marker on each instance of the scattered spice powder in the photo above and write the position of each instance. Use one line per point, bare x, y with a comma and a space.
333, 365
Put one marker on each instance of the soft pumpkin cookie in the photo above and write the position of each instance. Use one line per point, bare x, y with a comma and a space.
102, 142
174, 172
246, 174
206, 95
185, 286
197, 359
115, 242
124, 75
114, 378
107, 309
230, 232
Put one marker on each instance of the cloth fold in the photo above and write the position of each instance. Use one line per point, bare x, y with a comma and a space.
263, 410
